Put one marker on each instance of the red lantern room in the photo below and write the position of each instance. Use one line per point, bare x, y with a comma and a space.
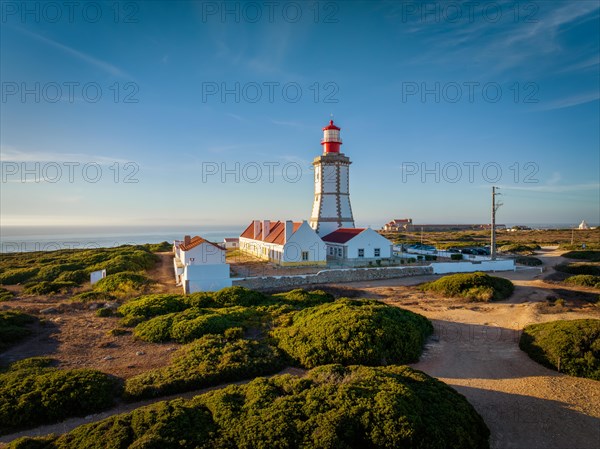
331, 138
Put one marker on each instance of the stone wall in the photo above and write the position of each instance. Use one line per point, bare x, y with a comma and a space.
331, 276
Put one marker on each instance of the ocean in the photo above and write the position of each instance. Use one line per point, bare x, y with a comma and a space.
50, 238
30, 238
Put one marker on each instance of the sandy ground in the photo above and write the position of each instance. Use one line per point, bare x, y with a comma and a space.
474, 349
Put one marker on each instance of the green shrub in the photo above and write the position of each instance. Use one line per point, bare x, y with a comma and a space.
77, 276
210, 360
528, 261
17, 275
6, 295
159, 247
193, 323
579, 268
122, 283
474, 286
574, 344
456, 256
238, 296
333, 407
13, 327
199, 299
304, 298
592, 256
585, 280
353, 332
518, 248
47, 288
32, 393
153, 305
104, 312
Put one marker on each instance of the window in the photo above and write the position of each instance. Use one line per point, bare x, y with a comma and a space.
377, 252
304, 256
339, 252
361, 252
331, 250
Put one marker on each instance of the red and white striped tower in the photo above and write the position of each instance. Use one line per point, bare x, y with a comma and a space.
331, 207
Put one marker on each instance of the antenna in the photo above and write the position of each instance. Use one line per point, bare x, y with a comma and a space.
495, 207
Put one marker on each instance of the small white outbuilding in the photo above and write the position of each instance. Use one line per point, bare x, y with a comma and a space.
357, 243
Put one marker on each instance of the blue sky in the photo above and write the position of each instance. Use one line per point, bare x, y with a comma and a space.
128, 113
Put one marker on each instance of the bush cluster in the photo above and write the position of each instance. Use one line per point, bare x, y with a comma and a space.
353, 332
591, 256
123, 283
579, 268
518, 248
354, 407
473, 286
31, 393
210, 360
46, 272
585, 280
13, 327
574, 344
5, 295
193, 323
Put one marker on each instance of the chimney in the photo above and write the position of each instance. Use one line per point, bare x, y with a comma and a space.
186, 240
289, 229
256, 229
266, 228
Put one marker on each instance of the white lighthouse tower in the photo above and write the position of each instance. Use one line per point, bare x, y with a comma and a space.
331, 208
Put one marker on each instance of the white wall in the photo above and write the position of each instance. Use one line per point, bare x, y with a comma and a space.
304, 239
205, 253
207, 277
469, 267
369, 240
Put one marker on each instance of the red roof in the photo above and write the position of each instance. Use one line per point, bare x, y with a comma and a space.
331, 126
195, 241
342, 235
276, 233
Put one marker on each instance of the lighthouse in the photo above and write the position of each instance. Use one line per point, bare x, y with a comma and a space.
331, 207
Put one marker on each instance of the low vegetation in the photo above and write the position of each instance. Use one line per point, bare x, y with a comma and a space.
123, 284
333, 406
6, 295
528, 261
584, 280
353, 332
579, 268
32, 392
13, 327
572, 347
207, 361
473, 286
519, 248
48, 272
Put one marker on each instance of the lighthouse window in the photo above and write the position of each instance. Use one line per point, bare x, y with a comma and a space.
361, 252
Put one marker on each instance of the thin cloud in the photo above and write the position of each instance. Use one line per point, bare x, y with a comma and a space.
103, 65
554, 188
568, 102
10, 154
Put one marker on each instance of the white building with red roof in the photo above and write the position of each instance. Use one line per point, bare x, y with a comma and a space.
357, 243
286, 243
200, 265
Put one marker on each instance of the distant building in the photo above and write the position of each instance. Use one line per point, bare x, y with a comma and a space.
200, 265
285, 243
397, 225
583, 225
231, 242
357, 243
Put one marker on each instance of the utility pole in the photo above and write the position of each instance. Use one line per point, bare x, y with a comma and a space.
495, 207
